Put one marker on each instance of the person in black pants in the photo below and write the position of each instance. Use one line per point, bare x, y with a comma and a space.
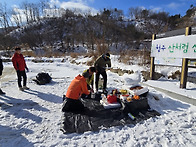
104, 75
20, 66
100, 64
21, 74
1, 70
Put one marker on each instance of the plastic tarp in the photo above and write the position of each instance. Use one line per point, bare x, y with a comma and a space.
95, 117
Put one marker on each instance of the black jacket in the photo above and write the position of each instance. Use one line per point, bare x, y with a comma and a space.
1, 67
101, 62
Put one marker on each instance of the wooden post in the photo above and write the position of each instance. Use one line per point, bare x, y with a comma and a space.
184, 70
184, 73
152, 66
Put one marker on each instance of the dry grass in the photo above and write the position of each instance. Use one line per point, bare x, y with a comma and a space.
74, 55
29, 53
175, 75
101, 47
58, 54
121, 72
146, 75
94, 56
140, 57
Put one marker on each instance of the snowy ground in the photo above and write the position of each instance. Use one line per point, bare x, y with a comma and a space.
32, 118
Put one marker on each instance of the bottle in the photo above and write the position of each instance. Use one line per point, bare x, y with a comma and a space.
104, 99
131, 116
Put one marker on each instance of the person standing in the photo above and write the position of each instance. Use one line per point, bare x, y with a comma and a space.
20, 66
1, 70
100, 64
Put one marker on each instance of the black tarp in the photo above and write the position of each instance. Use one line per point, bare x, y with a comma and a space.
95, 117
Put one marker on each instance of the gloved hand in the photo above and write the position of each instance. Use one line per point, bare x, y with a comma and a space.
92, 91
27, 69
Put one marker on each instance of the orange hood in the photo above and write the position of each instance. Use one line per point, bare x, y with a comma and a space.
77, 87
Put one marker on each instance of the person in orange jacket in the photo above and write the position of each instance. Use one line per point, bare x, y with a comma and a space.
20, 66
77, 87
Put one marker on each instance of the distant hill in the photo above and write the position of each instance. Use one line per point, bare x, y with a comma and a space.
109, 30
1, 30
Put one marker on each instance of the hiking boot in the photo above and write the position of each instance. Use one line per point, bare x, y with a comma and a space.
105, 91
25, 87
21, 89
1, 92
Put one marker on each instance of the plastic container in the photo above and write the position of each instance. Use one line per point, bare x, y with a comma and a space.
129, 99
104, 99
124, 97
112, 98
123, 91
93, 95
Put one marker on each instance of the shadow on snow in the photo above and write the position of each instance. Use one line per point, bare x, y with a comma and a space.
13, 137
17, 108
46, 96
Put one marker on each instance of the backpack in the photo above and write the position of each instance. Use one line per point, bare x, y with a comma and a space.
43, 78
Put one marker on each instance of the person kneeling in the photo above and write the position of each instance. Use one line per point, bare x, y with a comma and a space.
77, 87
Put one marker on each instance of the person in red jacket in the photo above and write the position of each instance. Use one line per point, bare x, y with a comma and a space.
77, 87
20, 66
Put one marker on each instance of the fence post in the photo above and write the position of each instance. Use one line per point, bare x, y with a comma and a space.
184, 70
152, 66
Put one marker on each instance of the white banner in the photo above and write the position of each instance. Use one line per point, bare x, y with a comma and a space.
168, 61
177, 47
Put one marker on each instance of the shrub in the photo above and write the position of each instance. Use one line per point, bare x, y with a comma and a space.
29, 53
74, 55
130, 56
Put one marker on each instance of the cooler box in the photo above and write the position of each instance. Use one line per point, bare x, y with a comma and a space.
135, 106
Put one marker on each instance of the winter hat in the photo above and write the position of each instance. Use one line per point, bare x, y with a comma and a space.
93, 69
85, 74
107, 55
17, 48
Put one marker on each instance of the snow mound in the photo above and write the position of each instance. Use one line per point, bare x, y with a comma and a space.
132, 79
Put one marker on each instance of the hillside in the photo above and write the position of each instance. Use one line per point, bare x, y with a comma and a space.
67, 31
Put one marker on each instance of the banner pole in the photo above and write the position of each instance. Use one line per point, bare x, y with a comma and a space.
184, 69
152, 65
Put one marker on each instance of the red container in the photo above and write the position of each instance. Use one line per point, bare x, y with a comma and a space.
112, 98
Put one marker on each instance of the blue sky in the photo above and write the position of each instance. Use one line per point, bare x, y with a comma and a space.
171, 6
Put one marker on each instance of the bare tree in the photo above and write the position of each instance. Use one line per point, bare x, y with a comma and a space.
16, 16
4, 17
26, 11
150, 21
135, 13
43, 6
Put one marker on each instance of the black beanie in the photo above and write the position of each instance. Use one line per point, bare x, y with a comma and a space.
85, 74
107, 54
17, 48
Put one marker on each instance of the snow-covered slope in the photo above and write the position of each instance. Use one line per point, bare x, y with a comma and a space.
32, 118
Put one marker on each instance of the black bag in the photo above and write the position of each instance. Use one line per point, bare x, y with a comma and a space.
72, 105
43, 78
